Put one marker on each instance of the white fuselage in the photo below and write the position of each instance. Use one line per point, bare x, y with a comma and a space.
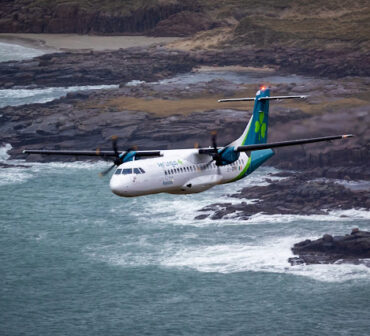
181, 171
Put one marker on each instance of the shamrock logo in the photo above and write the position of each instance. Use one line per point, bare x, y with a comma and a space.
260, 126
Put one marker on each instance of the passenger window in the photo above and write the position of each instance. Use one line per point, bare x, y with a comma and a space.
127, 171
118, 171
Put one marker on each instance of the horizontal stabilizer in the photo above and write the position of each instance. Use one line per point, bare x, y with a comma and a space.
235, 99
262, 98
282, 97
87, 153
249, 148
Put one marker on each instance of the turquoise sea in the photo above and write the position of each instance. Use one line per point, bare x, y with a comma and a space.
77, 260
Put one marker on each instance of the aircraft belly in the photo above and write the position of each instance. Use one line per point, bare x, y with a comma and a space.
200, 183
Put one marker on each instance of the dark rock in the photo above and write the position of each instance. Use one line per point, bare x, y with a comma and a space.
327, 238
78, 18
108, 67
351, 248
185, 23
203, 216
295, 195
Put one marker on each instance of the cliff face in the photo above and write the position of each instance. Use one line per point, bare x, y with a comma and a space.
82, 18
319, 24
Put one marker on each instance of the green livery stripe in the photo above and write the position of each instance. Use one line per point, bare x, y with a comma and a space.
246, 135
243, 172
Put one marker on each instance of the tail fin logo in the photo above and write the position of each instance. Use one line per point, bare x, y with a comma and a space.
260, 126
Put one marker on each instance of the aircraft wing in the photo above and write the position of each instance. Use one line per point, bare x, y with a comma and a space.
253, 147
248, 148
88, 153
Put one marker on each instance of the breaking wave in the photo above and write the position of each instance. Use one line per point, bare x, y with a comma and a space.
16, 97
10, 51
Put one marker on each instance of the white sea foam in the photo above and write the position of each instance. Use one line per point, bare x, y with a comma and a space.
268, 256
134, 82
10, 51
4, 152
334, 215
14, 175
16, 97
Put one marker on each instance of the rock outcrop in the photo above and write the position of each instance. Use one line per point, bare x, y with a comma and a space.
332, 63
353, 248
297, 195
94, 68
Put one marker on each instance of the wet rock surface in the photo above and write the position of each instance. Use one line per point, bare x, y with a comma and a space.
153, 63
298, 194
313, 61
95, 68
352, 248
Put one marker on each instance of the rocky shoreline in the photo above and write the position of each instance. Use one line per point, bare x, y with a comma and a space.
352, 248
94, 68
298, 194
156, 62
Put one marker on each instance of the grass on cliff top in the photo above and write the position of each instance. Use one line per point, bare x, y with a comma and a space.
351, 27
187, 106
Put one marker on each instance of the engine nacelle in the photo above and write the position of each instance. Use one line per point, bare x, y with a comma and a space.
228, 156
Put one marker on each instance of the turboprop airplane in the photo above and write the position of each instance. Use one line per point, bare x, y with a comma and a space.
187, 171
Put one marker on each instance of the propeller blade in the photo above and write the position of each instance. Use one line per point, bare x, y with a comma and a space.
114, 145
106, 171
214, 140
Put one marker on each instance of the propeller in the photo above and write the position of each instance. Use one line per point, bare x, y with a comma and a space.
118, 159
216, 155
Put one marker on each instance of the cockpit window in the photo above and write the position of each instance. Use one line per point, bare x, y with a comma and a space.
137, 171
118, 171
142, 170
127, 171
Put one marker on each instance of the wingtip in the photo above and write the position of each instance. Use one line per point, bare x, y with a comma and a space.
344, 136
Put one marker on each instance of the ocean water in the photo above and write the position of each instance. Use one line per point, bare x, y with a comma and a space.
15, 52
237, 77
16, 97
77, 260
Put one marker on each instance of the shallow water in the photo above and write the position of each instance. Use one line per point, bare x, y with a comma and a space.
237, 77
16, 97
15, 52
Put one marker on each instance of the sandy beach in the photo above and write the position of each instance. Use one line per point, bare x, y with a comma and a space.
74, 42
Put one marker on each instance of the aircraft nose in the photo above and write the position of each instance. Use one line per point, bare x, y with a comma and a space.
116, 186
